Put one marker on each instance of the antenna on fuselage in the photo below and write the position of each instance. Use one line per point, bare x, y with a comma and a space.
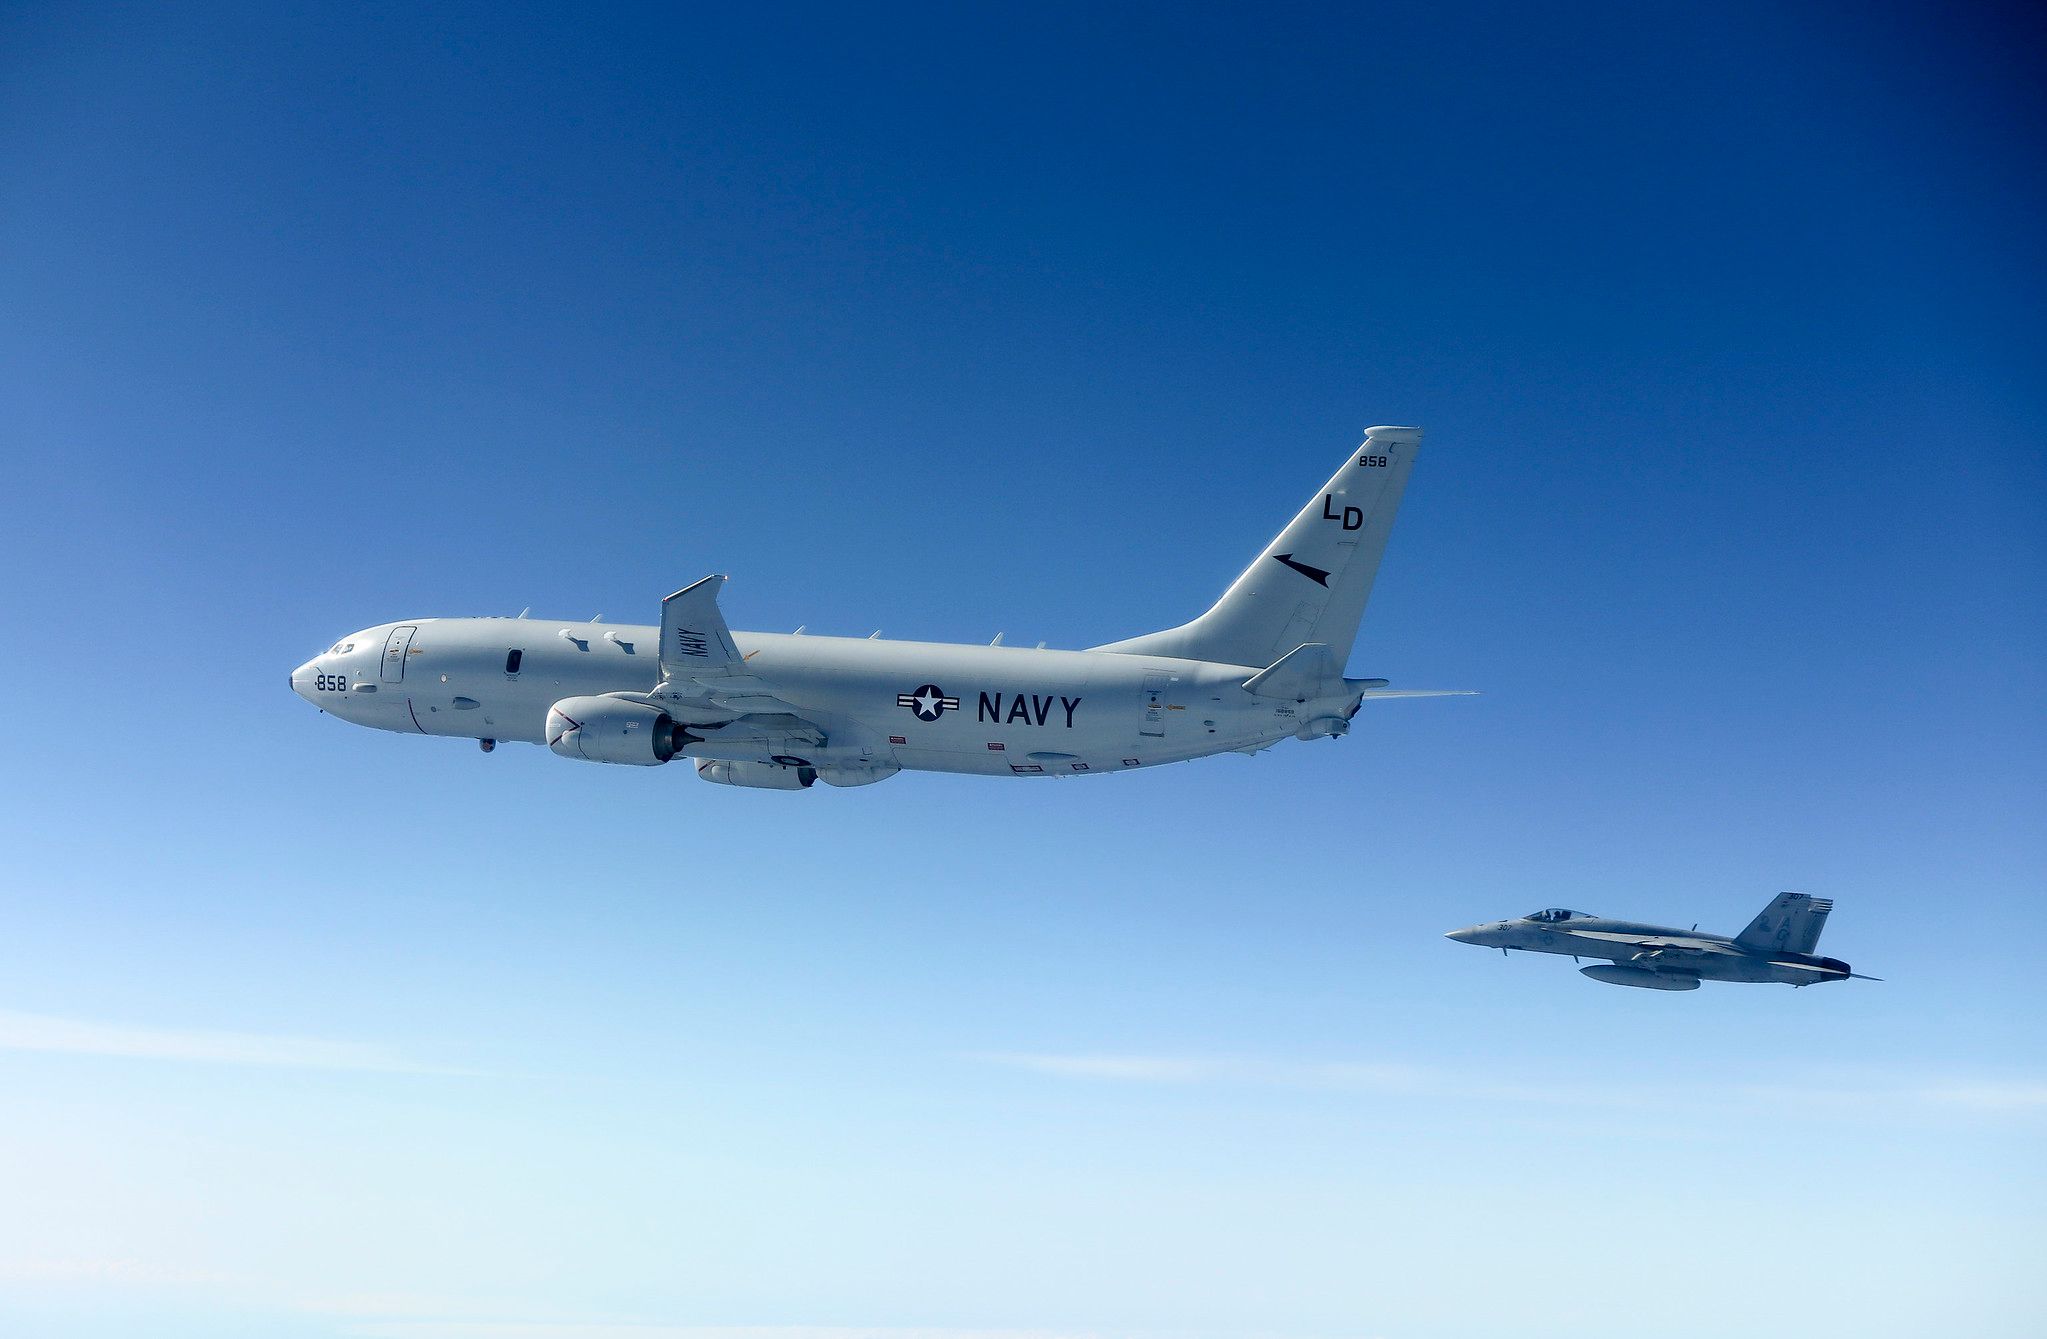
799, 629
875, 635
997, 641
527, 610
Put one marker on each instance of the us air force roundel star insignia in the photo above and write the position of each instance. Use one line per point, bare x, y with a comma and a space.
929, 702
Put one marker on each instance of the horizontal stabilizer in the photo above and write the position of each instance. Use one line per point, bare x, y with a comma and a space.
1371, 693
1308, 671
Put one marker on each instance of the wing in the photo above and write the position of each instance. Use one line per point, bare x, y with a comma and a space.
703, 674
1665, 948
1654, 941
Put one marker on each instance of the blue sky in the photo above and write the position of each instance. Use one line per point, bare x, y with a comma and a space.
1725, 326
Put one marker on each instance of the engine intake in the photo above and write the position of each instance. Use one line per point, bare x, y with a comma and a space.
614, 730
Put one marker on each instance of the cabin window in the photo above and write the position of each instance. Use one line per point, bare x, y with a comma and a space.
512, 659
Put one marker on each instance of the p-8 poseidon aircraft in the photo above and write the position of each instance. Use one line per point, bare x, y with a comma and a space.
783, 711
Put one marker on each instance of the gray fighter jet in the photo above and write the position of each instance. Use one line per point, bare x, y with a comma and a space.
1777, 946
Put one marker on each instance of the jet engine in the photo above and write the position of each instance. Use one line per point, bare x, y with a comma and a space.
614, 730
1615, 974
760, 775
857, 774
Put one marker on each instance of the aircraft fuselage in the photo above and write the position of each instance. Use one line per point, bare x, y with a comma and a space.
1663, 949
988, 710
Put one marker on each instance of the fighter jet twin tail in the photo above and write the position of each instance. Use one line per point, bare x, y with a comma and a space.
784, 711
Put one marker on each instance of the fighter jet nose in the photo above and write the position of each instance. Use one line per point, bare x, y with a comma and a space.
1461, 936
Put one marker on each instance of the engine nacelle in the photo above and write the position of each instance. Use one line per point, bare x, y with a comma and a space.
613, 730
1615, 974
861, 774
759, 775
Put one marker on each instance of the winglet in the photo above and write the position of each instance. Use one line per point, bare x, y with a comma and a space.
694, 638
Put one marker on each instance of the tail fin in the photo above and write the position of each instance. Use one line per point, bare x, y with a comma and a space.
1312, 581
1791, 923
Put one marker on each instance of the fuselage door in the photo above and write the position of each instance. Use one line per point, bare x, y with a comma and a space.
395, 649
1155, 705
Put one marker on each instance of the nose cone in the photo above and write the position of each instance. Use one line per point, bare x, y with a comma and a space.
1468, 935
302, 680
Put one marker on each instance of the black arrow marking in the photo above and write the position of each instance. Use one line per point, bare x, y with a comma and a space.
1314, 574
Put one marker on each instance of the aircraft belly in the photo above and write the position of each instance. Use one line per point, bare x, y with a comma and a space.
988, 711
976, 710
981, 744
950, 760
975, 743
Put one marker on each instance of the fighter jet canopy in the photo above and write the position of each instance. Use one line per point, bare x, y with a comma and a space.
1558, 914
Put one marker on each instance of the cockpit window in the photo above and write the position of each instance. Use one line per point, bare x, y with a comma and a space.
512, 659
1556, 914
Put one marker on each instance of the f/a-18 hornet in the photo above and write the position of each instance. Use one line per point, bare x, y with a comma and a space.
782, 711
1777, 946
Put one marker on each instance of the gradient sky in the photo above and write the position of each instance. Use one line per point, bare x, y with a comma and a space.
1726, 326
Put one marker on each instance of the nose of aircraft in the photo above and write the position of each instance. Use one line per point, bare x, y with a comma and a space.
302, 680
1464, 936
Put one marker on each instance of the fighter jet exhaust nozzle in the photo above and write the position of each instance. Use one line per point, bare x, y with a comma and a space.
1614, 974
614, 730
758, 775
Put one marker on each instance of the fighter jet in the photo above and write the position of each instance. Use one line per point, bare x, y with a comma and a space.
1777, 946
783, 711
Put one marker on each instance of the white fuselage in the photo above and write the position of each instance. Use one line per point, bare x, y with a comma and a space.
995, 710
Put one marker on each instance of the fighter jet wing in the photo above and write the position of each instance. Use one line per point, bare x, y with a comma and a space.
701, 668
1656, 943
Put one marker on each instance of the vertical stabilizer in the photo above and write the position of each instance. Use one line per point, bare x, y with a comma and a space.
1311, 582
1791, 923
